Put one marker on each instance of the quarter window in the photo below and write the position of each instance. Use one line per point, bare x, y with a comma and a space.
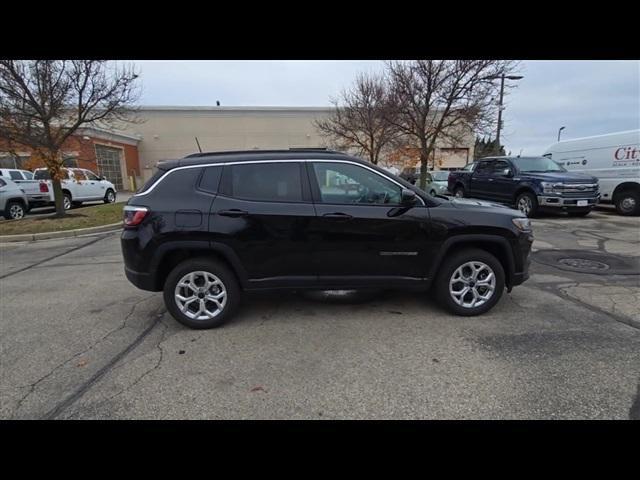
345, 183
268, 182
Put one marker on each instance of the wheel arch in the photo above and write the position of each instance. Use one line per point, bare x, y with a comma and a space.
172, 253
496, 245
623, 187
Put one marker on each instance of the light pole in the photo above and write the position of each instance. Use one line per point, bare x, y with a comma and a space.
560, 130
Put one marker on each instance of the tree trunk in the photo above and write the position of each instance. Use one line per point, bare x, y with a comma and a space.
58, 197
424, 165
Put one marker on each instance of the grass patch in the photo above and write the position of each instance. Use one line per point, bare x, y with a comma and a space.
80, 218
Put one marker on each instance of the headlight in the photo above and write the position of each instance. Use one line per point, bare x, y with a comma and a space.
522, 224
549, 187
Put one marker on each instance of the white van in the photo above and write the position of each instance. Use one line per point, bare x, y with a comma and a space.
613, 158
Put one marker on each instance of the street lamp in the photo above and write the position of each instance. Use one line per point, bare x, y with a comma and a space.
560, 130
500, 107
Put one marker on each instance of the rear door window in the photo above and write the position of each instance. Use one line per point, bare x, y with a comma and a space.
15, 175
264, 181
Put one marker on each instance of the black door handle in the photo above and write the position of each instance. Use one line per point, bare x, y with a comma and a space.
234, 212
338, 216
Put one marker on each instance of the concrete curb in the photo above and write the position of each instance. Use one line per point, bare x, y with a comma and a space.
33, 237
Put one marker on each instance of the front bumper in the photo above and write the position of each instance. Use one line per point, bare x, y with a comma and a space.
554, 201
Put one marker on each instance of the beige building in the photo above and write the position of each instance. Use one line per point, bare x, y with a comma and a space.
167, 132
171, 132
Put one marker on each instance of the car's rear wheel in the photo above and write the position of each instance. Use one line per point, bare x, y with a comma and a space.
14, 210
470, 282
66, 201
628, 203
201, 293
110, 196
527, 203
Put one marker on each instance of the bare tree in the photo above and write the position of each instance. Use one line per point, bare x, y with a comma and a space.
443, 100
361, 118
43, 102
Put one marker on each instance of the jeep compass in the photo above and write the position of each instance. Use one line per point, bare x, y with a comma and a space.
210, 226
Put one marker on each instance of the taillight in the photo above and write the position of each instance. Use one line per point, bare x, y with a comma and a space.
44, 188
132, 216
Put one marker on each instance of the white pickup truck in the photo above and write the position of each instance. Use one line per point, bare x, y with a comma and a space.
78, 185
36, 195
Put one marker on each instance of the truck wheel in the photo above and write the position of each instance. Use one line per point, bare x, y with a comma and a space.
110, 196
527, 203
14, 210
458, 192
66, 201
579, 213
628, 203
201, 293
470, 282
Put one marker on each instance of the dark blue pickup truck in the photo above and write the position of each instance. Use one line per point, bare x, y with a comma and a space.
530, 184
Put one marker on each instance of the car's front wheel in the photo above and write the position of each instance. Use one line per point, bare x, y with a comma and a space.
527, 203
110, 196
470, 282
458, 192
201, 293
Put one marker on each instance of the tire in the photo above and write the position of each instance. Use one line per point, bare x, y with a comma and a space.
579, 213
14, 210
459, 192
109, 196
486, 263
216, 272
628, 203
527, 203
66, 201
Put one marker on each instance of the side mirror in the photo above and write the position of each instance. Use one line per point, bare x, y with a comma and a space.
408, 197
507, 172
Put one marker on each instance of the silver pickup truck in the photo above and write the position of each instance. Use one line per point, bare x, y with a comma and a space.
37, 191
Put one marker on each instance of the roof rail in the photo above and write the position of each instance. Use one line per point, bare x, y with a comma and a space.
258, 151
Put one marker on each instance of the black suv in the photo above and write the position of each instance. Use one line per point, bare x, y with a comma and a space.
210, 226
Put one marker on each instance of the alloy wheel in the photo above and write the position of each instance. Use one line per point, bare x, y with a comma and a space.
472, 284
200, 295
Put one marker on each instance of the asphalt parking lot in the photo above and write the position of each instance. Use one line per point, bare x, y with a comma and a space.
78, 341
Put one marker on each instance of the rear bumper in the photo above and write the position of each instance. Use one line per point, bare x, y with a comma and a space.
554, 201
144, 281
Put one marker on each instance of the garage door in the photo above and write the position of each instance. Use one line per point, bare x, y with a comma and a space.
108, 160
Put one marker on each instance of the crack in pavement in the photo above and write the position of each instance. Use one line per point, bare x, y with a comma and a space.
32, 386
80, 391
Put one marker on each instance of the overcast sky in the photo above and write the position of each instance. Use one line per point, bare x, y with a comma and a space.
588, 97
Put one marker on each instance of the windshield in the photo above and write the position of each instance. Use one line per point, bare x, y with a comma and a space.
537, 165
440, 176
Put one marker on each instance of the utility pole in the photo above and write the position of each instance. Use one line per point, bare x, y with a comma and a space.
500, 107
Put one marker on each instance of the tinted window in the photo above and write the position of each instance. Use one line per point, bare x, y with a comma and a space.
483, 168
499, 166
28, 175
79, 175
156, 175
44, 174
272, 182
211, 179
15, 175
345, 183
